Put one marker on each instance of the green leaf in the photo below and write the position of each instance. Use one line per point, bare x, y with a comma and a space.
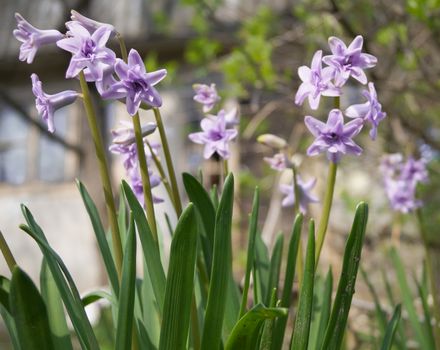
198, 195
29, 312
422, 338
275, 266
426, 311
261, 270
268, 326
391, 329
99, 231
65, 284
92, 297
288, 281
180, 282
124, 326
149, 247
325, 308
250, 250
221, 269
300, 336
55, 309
338, 319
10, 326
244, 336
4, 292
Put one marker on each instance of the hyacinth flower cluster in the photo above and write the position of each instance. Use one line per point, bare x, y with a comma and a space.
400, 179
113, 77
217, 130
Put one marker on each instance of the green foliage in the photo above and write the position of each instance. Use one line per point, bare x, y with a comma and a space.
391, 329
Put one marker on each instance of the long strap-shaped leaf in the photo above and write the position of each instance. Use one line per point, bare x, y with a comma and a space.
55, 309
149, 246
126, 298
221, 266
29, 312
300, 336
251, 250
180, 283
391, 329
280, 324
104, 248
244, 336
352, 254
275, 266
65, 284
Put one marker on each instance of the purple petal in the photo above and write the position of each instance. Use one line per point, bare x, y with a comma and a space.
356, 44
314, 125
101, 35
317, 61
337, 46
358, 110
135, 59
154, 77
305, 73
302, 93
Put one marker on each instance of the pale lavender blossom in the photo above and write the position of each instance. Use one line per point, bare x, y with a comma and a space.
124, 134
138, 188
402, 195
90, 24
304, 189
414, 171
370, 111
206, 95
47, 104
135, 84
278, 162
334, 137
88, 50
348, 61
215, 136
32, 38
128, 153
391, 164
231, 117
316, 81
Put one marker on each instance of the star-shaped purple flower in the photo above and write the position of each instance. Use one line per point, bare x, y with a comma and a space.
402, 195
88, 51
370, 111
206, 95
215, 136
32, 38
306, 197
348, 61
334, 137
415, 171
47, 104
316, 81
135, 84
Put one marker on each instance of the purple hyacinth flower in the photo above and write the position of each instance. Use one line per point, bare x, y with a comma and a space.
124, 134
334, 137
90, 24
206, 95
215, 136
278, 162
32, 38
370, 111
135, 84
414, 171
348, 61
47, 104
88, 51
391, 164
401, 194
316, 81
306, 197
138, 188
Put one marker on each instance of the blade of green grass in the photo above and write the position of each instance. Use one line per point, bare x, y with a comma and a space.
55, 309
221, 269
124, 328
301, 330
180, 283
244, 336
29, 312
149, 246
101, 239
250, 250
280, 324
391, 329
335, 331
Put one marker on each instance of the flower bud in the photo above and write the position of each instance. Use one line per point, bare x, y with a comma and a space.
272, 141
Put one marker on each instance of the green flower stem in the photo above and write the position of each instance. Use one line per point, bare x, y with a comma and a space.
122, 47
225, 168
7, 253
326, 208
299, 257
162, 174
104, 172
148, 197
170, 166
431, 275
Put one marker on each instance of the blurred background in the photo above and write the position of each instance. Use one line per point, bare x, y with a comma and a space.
251, 49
